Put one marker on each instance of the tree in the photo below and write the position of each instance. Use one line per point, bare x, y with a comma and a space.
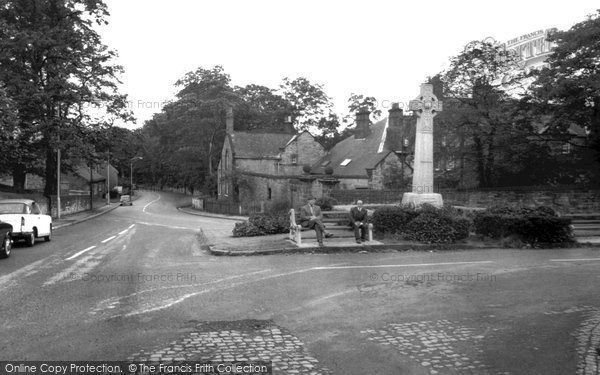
568, 88
55, 68
309, 102
262, 108
478, 123
357, 102
8, 129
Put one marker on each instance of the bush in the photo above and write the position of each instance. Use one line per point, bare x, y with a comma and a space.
263, 224
426, 224
530, 225
392, 219
437, 226
329, 170
246, 229
326, 203
306, 168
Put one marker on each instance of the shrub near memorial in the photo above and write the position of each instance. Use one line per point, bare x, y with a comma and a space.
534, 226
426, 224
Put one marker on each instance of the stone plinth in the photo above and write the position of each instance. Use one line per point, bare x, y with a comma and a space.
425, 106
416, 199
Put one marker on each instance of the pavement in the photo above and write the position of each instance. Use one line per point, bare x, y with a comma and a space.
226, 244
100, 208
137, 283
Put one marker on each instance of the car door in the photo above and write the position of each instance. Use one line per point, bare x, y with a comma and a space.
36, 215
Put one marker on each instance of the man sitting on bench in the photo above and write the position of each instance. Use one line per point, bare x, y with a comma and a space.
358, 218
312, 218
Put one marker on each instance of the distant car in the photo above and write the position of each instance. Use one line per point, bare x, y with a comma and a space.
126, 200
6, 238
27, 220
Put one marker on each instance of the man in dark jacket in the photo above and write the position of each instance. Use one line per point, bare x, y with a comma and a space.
311, 217
358, 218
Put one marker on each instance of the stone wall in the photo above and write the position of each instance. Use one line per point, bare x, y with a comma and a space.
390, 164
573, 201
565, 202
69, 204
344, 196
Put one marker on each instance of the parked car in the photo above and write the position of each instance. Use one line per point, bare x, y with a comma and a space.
27, 220
126, 200
6, 238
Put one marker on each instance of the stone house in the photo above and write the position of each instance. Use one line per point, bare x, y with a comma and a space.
259, 166
377, 156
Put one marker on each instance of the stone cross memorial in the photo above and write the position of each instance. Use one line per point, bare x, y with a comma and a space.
426, 107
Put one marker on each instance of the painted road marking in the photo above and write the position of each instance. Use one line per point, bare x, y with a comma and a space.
146, 206
81, 252
167, 226
403, 265
108, 239
574, 260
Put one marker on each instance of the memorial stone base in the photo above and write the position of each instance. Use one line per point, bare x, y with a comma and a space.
416, 199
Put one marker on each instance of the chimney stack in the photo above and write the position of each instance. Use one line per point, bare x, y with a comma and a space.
229, 120
362, 124
395, 130
396, 116
288, 124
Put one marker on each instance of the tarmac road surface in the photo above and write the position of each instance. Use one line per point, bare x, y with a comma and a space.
135, 283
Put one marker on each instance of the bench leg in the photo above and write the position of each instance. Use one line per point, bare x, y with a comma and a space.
298, 235
370, 232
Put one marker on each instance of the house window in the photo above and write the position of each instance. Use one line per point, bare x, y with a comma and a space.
269, 193
566, 148
450, 166
294, 159
226, 158
345, 162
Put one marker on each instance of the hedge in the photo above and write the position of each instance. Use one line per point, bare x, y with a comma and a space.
426, 224
530, 225
263, 224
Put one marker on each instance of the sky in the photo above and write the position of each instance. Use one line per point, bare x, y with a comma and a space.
384, 49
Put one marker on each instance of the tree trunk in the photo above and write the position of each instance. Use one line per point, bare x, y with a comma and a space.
480, 158
50, 186
19, 176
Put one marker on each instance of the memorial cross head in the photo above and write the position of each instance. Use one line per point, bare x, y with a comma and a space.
427, 103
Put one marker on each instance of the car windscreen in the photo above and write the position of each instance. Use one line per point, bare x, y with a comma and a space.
12, 208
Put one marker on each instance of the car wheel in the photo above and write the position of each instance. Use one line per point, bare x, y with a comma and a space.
31, 239
6, 247
48, 238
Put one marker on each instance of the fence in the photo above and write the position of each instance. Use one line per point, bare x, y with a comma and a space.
231, 208
366, 195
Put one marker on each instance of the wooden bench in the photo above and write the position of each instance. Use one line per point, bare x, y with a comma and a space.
296, 229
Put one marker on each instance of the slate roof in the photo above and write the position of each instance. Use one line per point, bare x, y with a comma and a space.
258, 145
84, 172
364, 154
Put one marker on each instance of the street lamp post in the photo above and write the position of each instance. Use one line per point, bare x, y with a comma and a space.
131, 172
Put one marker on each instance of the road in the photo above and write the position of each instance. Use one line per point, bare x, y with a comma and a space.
135, 284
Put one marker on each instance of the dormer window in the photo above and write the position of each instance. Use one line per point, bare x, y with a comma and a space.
325, 163
345, 162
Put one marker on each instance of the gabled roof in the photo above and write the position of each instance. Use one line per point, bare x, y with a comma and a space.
258, 145
84, 172
364, 154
